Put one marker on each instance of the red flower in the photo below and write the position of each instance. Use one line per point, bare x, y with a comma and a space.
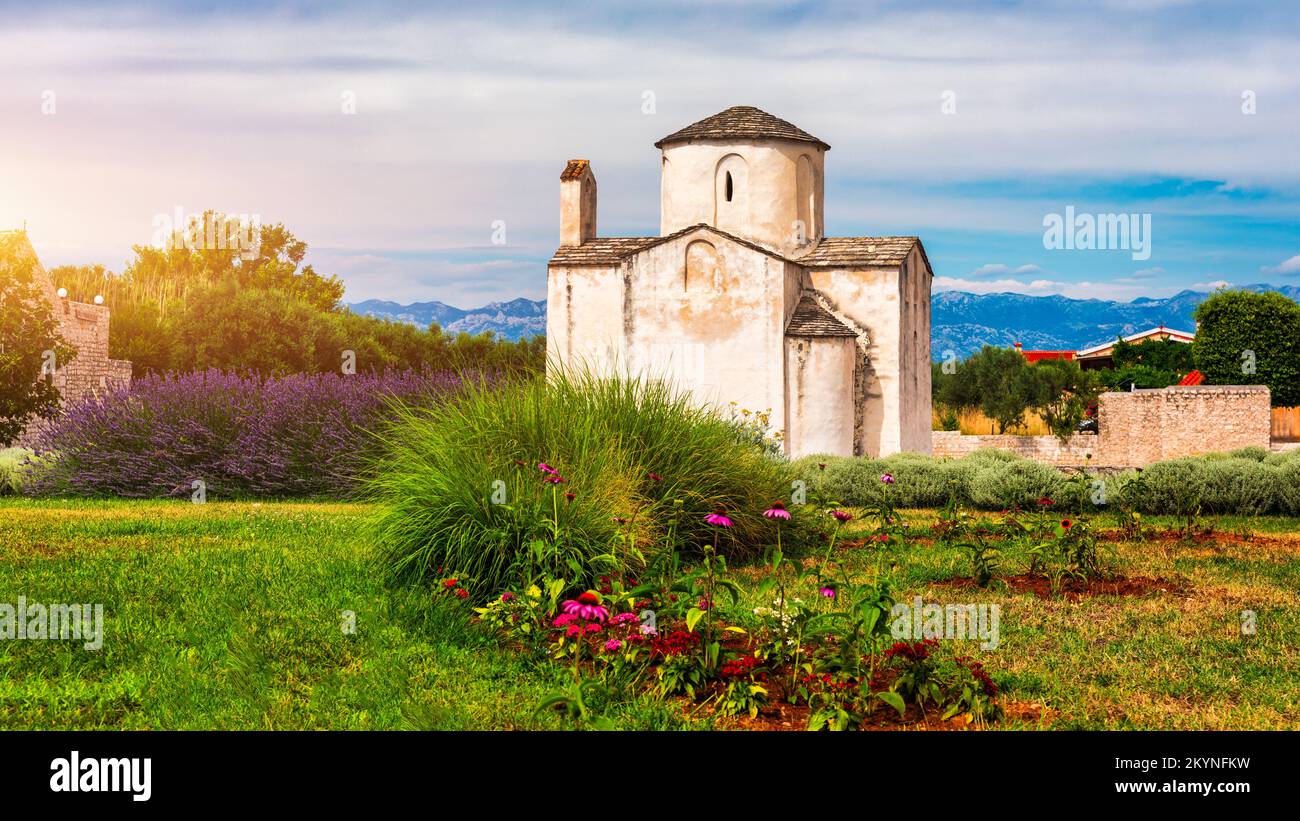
449, 583
462, 593
1065, 523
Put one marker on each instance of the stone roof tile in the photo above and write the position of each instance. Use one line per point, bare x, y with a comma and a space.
811, 319
742, 122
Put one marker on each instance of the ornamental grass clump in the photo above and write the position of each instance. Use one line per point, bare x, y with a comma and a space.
469, 485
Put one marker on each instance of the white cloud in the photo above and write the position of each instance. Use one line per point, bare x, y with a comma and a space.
1290, 267
1115, 289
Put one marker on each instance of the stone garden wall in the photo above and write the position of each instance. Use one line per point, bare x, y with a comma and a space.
1046, 449
1141, 427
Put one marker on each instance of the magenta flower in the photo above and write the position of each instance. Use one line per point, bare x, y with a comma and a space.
545, 468
563, 619
655, 477
841, 516
887, 478
593, 628
573, 632
777, 511
586, 606
718, 519
554, 478
828, 591
507, 597
613, 644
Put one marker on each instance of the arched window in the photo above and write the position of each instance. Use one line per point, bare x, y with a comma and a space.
730, 201
806, 192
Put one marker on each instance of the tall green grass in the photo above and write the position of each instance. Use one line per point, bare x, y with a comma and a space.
13, 467
440, 468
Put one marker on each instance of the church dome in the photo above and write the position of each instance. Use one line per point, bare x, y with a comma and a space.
742, 122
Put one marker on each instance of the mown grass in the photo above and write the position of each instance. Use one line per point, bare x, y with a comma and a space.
229, 616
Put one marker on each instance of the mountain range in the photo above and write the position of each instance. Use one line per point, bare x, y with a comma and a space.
960, 322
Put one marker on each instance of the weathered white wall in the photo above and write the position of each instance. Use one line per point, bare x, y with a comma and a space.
578, 209
820, 410
895, 311
915, 386
767, 201
718, 334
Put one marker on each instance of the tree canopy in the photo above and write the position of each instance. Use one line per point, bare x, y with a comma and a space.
1244, 338
29, 338
250, 305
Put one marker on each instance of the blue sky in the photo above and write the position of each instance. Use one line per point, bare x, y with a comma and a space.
465, 115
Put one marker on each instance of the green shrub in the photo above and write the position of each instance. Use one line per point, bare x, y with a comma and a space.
1255, 453
1004, 484
1242, 486
1282, 457
441, 466
13, 466
1288, 486
1175, 487
924, 481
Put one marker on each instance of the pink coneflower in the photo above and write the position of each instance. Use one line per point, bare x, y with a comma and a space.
887, 479
554, 478
718, 518
777, 511
545, 468
586, 606
1045, 502
821, 465
613, 644
841, 516
569, 496
619, 520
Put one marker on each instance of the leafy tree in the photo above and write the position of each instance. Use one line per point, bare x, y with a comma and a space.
1157, 354
1252, 339
994, 380
252, 306
1062, 392
27, 332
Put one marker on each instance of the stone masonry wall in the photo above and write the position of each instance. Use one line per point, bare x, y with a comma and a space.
1145, 426
1047, 449
1141, 427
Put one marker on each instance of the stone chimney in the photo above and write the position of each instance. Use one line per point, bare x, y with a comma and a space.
577, 203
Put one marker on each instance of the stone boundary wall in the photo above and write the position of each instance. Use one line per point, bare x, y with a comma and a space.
1141, 427
1047, 449
1145, 426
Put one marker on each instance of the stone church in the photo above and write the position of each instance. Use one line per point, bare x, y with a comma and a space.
742, 298
82, 325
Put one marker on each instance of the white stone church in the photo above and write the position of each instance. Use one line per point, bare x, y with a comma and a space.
742, 298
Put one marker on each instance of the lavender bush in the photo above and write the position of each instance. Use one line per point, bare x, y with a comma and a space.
302, 435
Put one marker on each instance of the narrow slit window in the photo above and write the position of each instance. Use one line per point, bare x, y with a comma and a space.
729, 186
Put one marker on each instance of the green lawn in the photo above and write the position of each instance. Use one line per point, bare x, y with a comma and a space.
230, 616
